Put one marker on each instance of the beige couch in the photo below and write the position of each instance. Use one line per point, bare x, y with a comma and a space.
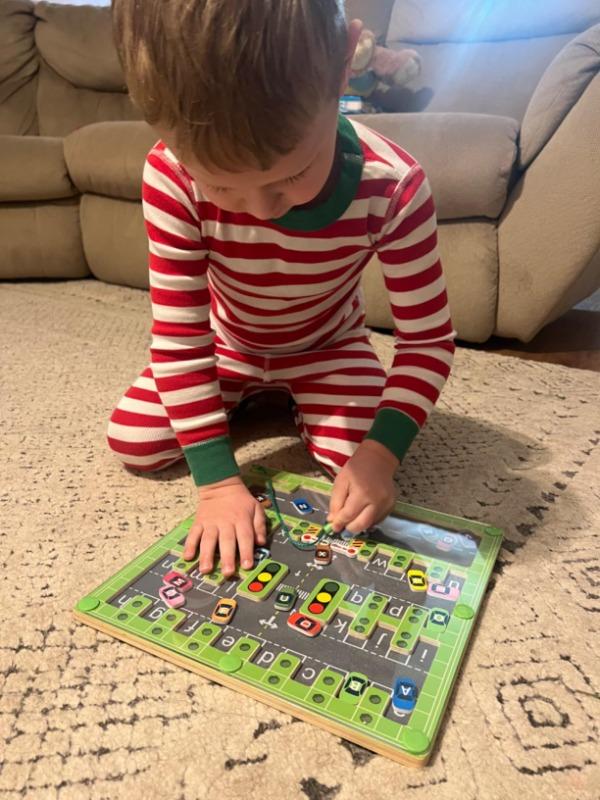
506, 125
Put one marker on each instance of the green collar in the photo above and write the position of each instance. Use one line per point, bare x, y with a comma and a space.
312, 219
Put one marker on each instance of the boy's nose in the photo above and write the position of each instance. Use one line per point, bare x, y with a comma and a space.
266, 206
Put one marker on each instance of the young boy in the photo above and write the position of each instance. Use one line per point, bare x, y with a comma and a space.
262, 207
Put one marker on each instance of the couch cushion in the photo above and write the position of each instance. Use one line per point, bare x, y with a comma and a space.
484, 77
18, 67
63, 108
76, 41
475, 21
560, 88
33, 168
108, 157
468, 158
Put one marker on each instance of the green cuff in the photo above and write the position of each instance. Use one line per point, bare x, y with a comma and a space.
211, 461
393, 429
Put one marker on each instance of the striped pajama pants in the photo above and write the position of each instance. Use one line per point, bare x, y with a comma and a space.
335, 392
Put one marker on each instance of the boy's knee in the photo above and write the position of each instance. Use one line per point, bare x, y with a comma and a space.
143, 462
146, 467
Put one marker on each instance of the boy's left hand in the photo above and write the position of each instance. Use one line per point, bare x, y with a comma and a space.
363, 490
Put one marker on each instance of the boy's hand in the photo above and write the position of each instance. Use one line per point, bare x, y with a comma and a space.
363, 490
228, 514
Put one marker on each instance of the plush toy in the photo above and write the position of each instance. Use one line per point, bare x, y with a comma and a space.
378, 72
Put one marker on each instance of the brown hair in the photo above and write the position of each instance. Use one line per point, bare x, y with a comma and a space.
237, 81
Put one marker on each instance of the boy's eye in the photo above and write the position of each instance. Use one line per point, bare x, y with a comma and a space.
296, 177
291, 179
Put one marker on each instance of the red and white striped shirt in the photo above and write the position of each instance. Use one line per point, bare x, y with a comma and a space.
291, 286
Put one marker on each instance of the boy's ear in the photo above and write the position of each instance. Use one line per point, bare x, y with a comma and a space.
354, 30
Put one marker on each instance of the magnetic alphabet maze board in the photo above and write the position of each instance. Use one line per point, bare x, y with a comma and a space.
396, 606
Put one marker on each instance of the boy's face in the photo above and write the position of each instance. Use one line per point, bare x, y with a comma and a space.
294, 179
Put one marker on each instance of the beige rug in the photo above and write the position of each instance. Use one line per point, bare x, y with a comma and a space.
83, 716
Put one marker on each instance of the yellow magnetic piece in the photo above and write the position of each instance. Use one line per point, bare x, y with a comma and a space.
264, 577
323, 597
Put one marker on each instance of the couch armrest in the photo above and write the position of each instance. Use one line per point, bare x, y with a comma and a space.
549, 232
562, 84
108, 158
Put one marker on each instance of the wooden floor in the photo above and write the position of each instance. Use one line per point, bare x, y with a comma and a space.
573, 340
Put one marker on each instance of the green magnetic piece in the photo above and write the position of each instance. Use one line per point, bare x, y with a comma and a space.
374, 700
463, 612
88, 603
365, 620
415, 741
285, 664
181, 565
328, 528
230, 663
216, 577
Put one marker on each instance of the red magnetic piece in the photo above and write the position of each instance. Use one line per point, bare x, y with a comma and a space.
178, 580
304, 625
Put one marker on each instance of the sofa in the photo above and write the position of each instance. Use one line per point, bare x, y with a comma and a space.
504, 118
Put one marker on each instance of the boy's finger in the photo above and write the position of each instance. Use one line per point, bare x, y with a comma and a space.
207, 548
362, 521
350, 510
260, 525
245, 540
191, 543
339, 493
227, 545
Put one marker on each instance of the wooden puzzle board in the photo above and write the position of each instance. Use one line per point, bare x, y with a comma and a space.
375, 623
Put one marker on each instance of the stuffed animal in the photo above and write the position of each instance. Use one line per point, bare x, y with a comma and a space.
376, 70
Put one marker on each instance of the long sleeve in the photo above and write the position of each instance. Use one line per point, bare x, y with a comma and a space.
424, 347
183, 359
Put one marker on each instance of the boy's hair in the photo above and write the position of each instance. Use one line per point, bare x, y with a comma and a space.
236, 81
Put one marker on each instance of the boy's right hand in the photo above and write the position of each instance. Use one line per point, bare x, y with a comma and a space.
226, 514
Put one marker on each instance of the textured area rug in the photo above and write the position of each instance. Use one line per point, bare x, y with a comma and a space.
514, 443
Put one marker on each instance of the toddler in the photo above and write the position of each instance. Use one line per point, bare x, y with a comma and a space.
262, 207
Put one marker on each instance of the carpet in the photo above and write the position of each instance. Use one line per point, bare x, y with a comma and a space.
511, 442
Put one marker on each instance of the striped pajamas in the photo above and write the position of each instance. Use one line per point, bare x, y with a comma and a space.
240, 305
335, 396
